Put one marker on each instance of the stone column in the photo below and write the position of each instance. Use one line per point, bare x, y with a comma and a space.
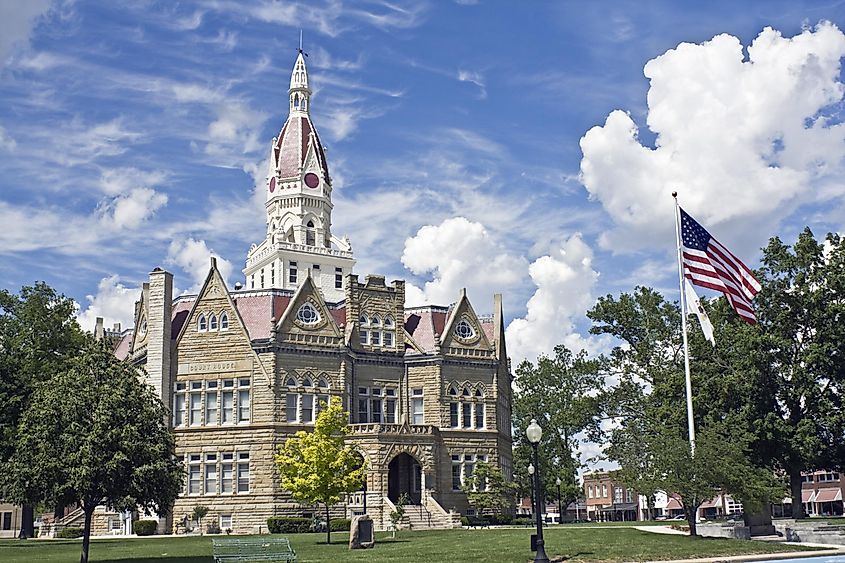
159, 314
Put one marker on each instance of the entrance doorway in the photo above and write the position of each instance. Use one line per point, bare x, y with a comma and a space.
404, 476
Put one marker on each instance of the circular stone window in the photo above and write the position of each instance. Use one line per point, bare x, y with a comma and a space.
308, 314
143, 330
464, 330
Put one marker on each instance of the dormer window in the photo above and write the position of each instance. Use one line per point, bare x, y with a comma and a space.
202, 325
307, 314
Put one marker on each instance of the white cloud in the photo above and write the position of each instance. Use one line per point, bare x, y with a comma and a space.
129, 210
459, 253
565, 283
16, 22
193, 257
743, 141
475, 78
113, 301
7, 143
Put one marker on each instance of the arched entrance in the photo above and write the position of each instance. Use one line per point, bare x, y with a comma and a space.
404, 476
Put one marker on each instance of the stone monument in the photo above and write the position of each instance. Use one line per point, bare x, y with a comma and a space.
361, 534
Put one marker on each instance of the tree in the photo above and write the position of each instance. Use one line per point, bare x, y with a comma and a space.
97, 435
488, 490
562, 392
800, 364
649, 437
198, 514
38, 337
317, 466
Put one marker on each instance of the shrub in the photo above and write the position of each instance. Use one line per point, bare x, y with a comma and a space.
500, 519
464, 520
283, 525
523, 521
341, 524
69, 533
145, 527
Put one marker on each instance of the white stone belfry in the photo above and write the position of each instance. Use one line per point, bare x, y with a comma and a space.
299, 207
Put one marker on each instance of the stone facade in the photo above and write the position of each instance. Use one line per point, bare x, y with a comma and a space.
428, 389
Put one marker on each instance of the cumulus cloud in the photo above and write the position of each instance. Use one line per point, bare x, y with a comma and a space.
459, 253
192, 257
113, 301
129, 210
743, 141
565, 283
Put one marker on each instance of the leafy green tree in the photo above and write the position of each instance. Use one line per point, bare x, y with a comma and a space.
38, 337
563, 393
198, 514
650, 436
318, 466
97, 435
800, 363
488, 490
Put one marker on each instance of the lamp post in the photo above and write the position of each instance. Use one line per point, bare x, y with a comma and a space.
559, 505
534, 433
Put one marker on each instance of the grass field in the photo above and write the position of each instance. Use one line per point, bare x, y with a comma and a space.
499, 545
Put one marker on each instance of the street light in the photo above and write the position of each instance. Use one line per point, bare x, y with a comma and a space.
559, 505
534, 433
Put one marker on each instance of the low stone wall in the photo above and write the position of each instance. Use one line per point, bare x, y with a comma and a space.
735, 531
811, 532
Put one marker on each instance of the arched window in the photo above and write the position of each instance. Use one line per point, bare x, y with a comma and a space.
291, 382
310, 237
465, 392
375, 321
363, 320
453, 390
296, 100
322, 383
388, 322
224, 321
479, 393
201, 324
307, 382
308, 314
212, 322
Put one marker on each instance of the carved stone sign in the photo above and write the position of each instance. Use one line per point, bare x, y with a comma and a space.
361, 533
215, 367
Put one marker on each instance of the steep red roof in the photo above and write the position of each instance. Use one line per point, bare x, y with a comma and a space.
291, 148
121, 350
422, 323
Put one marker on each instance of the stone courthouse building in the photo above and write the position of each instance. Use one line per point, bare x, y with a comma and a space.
428, 389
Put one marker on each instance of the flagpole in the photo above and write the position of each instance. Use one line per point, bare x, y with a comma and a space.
690, 423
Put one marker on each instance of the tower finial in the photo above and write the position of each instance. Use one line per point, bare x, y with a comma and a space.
300, 40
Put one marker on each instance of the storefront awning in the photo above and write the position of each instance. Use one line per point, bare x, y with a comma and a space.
712, 503
807, 496
828, 495
673, 504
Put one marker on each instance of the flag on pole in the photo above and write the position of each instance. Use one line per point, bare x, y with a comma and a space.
694, 306
709, 264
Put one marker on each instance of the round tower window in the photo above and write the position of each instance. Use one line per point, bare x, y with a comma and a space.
312, 180
464, 330
308, 314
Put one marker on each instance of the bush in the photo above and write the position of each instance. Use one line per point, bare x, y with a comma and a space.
341, 524
69, 533
283, 525
500, 519
464, 520
523, 521
145, 527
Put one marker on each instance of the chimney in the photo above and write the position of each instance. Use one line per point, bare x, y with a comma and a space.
159, 308
99, 331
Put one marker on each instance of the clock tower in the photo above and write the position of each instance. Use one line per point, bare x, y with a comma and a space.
299, 207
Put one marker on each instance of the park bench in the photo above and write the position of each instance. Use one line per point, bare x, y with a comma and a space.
252, 549
476, 522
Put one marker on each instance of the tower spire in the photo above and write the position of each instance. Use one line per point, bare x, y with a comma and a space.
299, 92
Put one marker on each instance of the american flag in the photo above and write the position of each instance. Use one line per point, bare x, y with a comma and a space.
709, 264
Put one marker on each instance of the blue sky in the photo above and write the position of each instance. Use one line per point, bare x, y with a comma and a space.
528, 148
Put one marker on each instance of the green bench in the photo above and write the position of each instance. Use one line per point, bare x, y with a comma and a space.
252, 549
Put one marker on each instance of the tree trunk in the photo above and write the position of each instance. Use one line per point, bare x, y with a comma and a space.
328, 525
649, 504
691, 514
27, 524
86, 534
795, 489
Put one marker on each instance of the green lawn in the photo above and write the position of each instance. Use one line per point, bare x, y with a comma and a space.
500, 545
